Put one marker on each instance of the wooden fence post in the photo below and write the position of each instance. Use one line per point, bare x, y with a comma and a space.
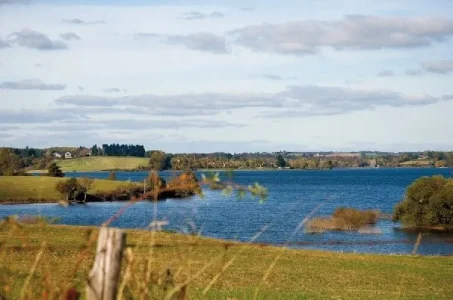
104, 276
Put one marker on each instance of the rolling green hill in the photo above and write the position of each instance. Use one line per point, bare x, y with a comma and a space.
102, 163
42, 188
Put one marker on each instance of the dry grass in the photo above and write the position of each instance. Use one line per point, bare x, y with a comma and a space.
344, 219
67, 255
417, 163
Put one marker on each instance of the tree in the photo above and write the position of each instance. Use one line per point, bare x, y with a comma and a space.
94, 150
10, 163
68, 188
428, 203
329, 164
55, 171
158, 160
85, 184
112, 176
154, 181
123, 150
281, 162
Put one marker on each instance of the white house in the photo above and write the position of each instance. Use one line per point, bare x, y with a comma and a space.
67, 155
57, 155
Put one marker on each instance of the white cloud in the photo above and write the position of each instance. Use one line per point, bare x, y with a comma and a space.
386, 73
196, 15
31, 84
112, 90
413, 72
81, 22
33, 39
352, 32
203, 41
70, 36
295, 101
88, 100
35, 116
309, 101
440, 67
3, 44
272, 76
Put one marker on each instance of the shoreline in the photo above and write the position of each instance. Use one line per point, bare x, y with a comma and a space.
288, 247
239, 170
298, 273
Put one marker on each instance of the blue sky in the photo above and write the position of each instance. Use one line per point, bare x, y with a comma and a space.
202, 76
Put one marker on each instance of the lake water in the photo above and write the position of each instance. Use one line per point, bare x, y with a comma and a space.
292, 195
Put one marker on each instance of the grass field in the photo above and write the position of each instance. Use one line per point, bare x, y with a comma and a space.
101, 163
298, 274
421, 163
42, 189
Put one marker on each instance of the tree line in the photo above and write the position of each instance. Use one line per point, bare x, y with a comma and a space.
119, 150
14, 161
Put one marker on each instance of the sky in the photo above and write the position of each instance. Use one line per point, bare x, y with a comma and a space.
230, 76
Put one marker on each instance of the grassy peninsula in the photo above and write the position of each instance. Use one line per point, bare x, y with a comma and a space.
298, 274
33, 189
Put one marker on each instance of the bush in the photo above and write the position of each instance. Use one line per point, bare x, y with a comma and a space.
121, 193
112, 176
85, 184
355, 218
428, 203
54, 171
346, 219
155, 181
184, 185
68, 188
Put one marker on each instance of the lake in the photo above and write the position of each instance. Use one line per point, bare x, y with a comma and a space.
293, 195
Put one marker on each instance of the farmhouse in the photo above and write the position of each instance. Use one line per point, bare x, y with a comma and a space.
57, 155
67, 155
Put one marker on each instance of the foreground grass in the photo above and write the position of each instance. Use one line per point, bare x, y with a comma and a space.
101, 163
23, 189
298, 274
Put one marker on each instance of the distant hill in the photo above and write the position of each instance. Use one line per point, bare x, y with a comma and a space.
102, 163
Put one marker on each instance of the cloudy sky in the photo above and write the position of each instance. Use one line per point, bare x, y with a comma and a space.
204, 76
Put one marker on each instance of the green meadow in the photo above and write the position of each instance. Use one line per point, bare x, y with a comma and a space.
25, 189
102, 163
213, 269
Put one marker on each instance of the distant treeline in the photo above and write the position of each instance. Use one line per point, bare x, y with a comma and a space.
119, 150
14, 161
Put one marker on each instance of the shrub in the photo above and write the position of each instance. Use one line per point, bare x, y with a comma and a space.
185, 185
347, 219
155, 181
85, 184
355, 218
112, 176
54, 171
428, 203
121, 193
68, 188
10, 163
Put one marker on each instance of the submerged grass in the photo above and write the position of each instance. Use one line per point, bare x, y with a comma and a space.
66, 255
344, 219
